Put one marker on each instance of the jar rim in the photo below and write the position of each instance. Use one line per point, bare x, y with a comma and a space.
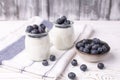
61, 25
36, 35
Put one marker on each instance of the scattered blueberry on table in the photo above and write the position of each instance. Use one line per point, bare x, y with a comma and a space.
83, 67
52, 58
71, 75
100, 65
74, 62
45, 62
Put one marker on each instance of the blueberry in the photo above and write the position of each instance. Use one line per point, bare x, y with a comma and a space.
43, 26
35, 26
94, 51
59, 21
41, 30
71, 75
66, 22
81, 49
95, 46
104, 48
88, 46
86, 50
107, 46
45, 62
92, 44
100, 50
74, 62
29, 29
100, 65
52, 58
83, 67
96, 40
35, 31
79, 44
84, 41
63, 18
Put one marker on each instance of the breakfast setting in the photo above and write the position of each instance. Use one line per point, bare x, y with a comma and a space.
61, 49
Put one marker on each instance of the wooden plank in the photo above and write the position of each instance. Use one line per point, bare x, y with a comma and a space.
69, 8
30, 8
25, 8
43, 9
94, 9
7, 10
115, 10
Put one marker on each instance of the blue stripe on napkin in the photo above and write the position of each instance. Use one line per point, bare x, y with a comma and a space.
12, 50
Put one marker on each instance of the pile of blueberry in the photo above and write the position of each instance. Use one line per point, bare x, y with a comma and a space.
63, 21
36, 29
92, 46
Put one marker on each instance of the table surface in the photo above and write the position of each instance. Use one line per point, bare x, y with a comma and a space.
108, 31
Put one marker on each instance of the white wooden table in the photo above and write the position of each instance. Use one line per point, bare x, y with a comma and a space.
108, 31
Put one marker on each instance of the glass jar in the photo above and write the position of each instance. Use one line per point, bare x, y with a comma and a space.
63, 36
37, 46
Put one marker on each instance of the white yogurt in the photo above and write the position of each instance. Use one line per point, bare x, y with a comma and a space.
63, 37
37, 48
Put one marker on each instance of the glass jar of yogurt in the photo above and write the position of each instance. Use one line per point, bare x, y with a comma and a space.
37, 46
63, 36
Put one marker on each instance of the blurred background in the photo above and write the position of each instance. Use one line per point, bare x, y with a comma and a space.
52, 9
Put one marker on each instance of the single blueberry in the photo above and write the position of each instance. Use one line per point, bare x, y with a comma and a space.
88, 46
100, 65
81, 49
29, 29
35, 26
107, 46
96, 40
71, 75
42, 26
100, 50
41, 30
59, 21
104, 48
92, 43
45, 62
83, 67
52, 58
86, 50
96, 46
63, 18
94, 51
79, 44
74, 62
35, 31
86, 41
66, 22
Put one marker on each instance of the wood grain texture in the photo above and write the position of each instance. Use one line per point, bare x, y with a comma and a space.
52, 9
29, 8
115, 10
94, 9
7, 9
69, 8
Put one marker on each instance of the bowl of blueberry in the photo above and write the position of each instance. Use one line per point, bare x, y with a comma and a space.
92, 50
